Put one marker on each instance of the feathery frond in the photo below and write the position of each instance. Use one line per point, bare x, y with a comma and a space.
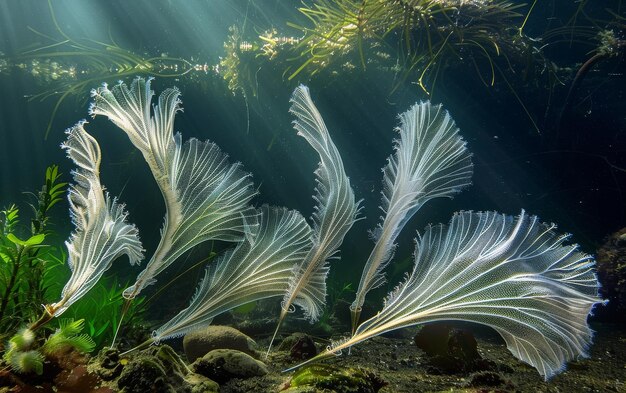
514, 274
259, 267
334, 215
101, 232
205, 196
431, 160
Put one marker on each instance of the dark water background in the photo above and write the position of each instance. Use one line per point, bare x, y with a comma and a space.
576, 179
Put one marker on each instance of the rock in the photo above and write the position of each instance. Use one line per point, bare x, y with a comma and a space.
323, 377
144, 375
160, 369
299, 345
201, 342
450, 351
110, 366
201, 384
222, 365
611, 267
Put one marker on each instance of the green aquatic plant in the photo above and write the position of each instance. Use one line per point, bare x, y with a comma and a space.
243, 59
431, 160
230, 63
335, 213
24, 355
26, 362
338, 297
27, 264
73, 65
514, 274
421, 36
68, 335
101, 308
609, 46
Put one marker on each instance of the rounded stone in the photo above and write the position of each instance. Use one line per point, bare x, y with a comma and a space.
222, 365
201, 342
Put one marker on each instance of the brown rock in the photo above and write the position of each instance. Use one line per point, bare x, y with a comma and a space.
201, 342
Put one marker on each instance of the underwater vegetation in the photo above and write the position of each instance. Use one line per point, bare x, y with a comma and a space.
72, 65
101, 232
102, 307
422, 36
431, 161
335, 213
515, 274
206, 198
28, 262
30, 275
24, 355
412, 42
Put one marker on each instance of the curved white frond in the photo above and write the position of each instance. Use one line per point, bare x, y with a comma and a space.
259, 267
431, 160
206, 197
335, 212
101, 232
514, 274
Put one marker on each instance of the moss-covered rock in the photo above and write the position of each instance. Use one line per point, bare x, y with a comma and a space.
299, 345
144, 374
201, 342
160, 369
222, 365
322, 377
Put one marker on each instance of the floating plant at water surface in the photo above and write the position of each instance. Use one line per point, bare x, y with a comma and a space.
411, 42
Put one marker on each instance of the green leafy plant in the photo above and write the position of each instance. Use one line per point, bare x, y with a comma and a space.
339, 295
101, 308
68, 335
24, 356
28, 260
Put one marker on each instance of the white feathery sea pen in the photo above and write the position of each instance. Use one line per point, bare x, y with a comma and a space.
335, 213
431, 160
258, 268
206, 198
514, 274
101, 232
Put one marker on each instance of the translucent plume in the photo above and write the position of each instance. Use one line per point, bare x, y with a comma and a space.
514, 274
335, 211
259, 267
206, 197
101, 232
431, 160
